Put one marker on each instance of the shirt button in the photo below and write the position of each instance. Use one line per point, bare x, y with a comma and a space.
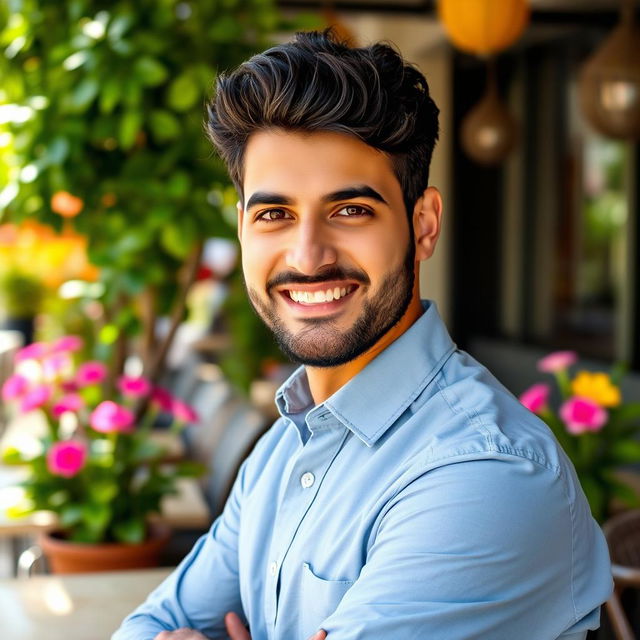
273, 568
307, 480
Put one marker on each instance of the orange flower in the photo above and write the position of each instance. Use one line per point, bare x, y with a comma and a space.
597, 387
66, 204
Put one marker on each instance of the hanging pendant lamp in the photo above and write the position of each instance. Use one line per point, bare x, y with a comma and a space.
489, 132
609, 85
485, 27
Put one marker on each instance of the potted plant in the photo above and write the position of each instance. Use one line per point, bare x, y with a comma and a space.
96, 467
21, 297
597, 430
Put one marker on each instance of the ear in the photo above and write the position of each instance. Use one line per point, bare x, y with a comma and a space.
427, 216
240, 218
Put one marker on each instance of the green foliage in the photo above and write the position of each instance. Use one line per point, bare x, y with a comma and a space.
106, 101
21, 294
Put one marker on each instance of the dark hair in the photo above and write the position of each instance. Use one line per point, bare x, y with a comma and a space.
316, 83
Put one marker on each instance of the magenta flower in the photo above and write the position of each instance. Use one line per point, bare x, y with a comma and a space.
66, 458
68, 344
108, 417
582, 414
33, 351
535, 398
35, 398
69, 386
14, 387
162, 399
91, 373
557, 361
71, 402
183, 412
134, 387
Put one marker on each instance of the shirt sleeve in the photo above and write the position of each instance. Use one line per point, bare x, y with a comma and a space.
476, 550
202, 588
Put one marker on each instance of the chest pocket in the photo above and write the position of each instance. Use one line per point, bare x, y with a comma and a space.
320, 598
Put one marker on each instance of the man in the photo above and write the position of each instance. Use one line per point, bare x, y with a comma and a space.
404, 493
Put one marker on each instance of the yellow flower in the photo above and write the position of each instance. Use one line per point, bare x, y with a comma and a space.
597, 387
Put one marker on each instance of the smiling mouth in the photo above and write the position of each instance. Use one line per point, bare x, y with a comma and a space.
322, 296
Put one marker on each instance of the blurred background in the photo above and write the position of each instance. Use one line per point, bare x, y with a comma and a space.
117, 222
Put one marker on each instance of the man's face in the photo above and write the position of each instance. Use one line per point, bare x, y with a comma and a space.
326, 251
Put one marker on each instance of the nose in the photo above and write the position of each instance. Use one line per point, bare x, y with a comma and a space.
311, 248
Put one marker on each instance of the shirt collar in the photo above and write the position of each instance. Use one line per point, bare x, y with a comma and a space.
398, 374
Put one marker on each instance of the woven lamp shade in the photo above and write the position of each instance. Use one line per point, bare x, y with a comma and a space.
483, 27
609, 86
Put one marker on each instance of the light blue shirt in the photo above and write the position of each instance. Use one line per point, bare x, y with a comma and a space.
420, 501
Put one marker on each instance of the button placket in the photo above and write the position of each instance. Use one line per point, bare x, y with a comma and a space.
318, 453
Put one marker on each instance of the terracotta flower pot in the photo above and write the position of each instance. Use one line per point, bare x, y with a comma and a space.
64, 556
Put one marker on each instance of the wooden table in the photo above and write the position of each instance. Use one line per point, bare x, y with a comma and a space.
75, 607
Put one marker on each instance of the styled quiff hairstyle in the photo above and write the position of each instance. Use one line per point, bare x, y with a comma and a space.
316, 83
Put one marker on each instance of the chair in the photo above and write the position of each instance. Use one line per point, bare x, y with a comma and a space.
623, 536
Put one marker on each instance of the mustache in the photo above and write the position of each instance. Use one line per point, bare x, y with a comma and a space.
330, 273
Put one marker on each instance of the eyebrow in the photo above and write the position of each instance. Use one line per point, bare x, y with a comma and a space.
348, 193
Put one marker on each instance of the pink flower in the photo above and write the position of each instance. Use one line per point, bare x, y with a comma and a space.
14, 386
582, 414
183, 412
66, 458
91, 373
109, 416
134, 387
33, 351
70, 402
35, 398
55, 364
67, 343
162, 399
69, 386
535, 398
557, 361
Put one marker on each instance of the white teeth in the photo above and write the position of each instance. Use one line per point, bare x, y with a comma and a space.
318, 297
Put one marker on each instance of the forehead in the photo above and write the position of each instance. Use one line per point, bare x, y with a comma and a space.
311, 164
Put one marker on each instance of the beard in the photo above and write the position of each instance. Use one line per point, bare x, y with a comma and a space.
322, 343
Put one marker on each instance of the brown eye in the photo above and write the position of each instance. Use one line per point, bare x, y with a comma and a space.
273, 215
353, 211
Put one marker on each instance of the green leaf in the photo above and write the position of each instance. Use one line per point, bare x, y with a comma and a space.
103, 491
627, 413
146, 449
625, 451
626, 494
11, 455
178, 239
189, 468
130, 124
96, 516
70, 515
83, 95
183, 92
150, 72
132, 531
179, 185
110, 93
164, 126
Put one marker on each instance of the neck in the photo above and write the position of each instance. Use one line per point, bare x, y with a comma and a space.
325, 381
